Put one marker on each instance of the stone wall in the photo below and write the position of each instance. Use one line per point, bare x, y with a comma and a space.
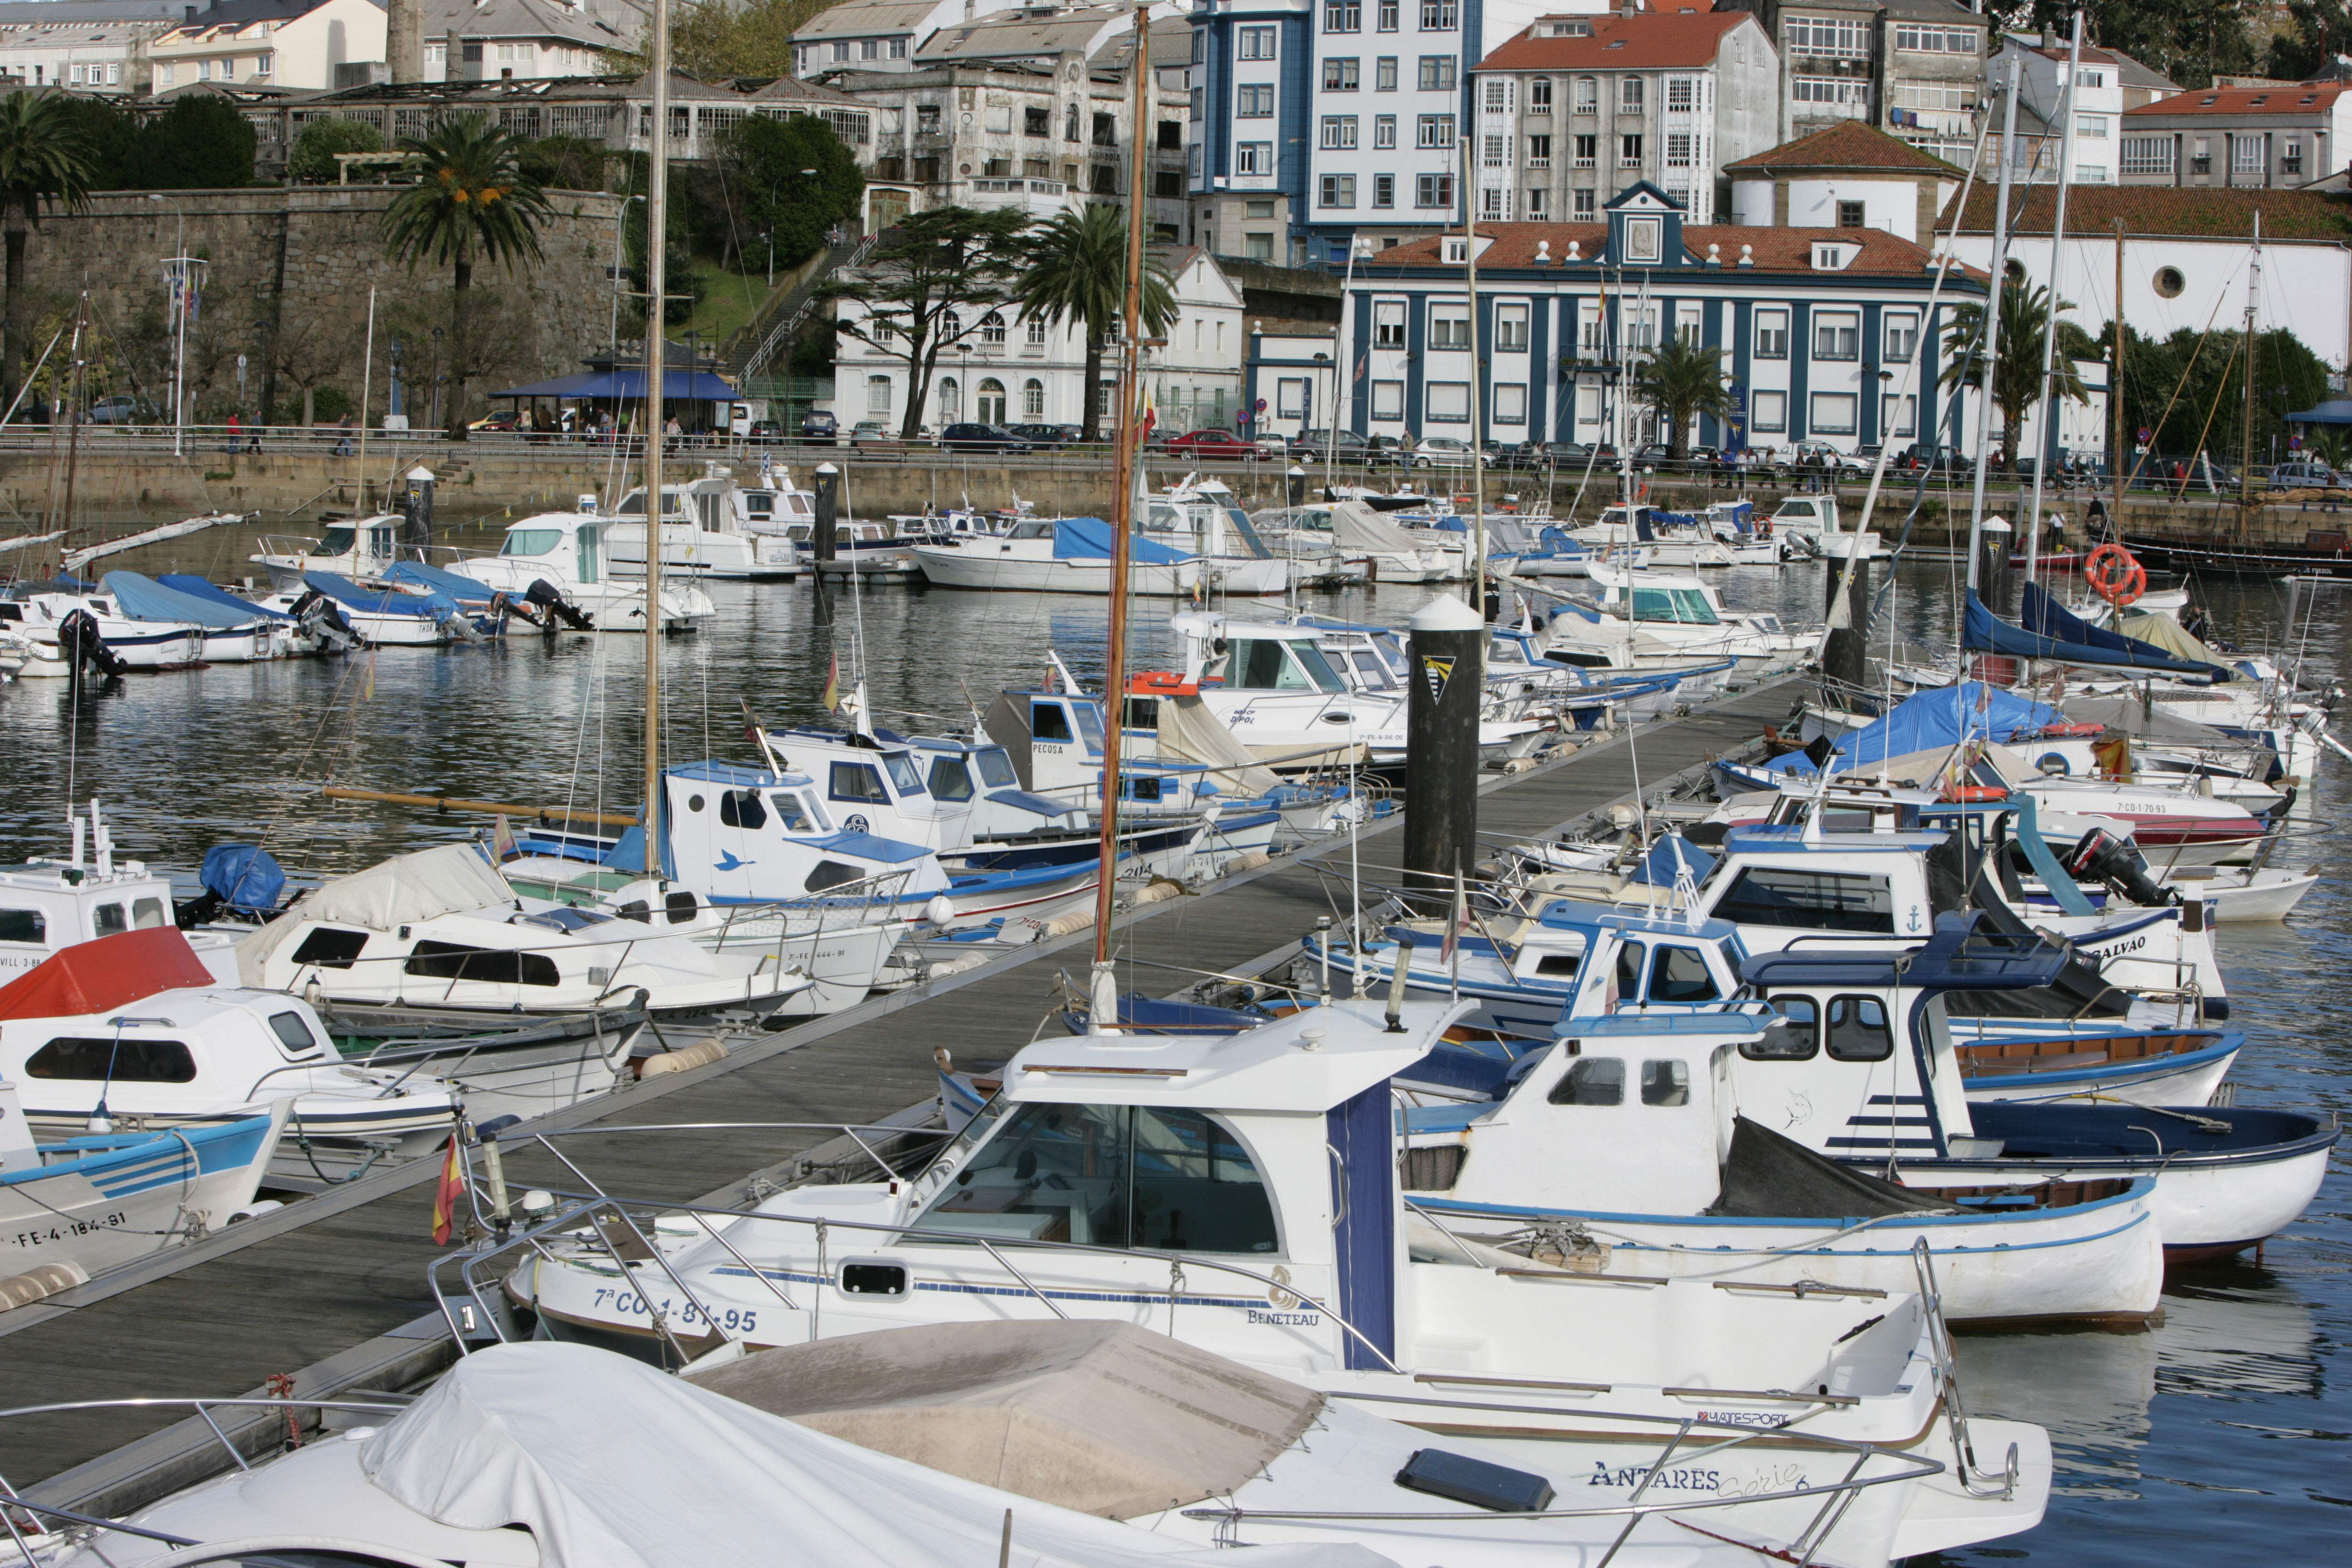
289, 275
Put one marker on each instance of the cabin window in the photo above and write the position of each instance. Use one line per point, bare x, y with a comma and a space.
1143, 789
1090, 727
1111, 1175
903, 773
1049, 722
588, 537
23, 925
950, 780
1793, 1036
483, 966
110, 918
829, 874
1858, 1030
1561, 964
996, 769
339, 540
681, 908
1593, 1080
790, 811
1372, 672
1680, 975
330, 949
526, 541
741, 809
859, 782
101, 1059
293, 1033
1665, 1082
1629, 971
1813, 901
147, 914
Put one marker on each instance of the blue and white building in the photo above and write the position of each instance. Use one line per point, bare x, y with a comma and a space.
1817, 327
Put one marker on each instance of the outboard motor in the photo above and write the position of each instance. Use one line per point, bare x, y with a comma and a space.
320, 618
2100, 857
542, 594
79, 640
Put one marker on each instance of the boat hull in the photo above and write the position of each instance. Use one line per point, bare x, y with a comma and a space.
128, 1201
970, 566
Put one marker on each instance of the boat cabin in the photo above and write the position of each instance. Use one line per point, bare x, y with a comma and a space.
742, 834
562, 547
1254, 656
873, 783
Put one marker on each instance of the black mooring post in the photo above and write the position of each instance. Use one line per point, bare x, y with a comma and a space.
1297, 492
1995, 581
821, 534
1441, 747
1845, 653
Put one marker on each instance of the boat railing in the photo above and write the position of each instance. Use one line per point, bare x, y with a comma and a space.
1970, 1475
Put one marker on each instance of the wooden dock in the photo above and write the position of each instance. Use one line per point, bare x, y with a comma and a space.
334, 1286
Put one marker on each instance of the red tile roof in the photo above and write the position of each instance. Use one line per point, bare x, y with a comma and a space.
1848, 144
1622, 43
1772, 249
2321, 97
2182, 212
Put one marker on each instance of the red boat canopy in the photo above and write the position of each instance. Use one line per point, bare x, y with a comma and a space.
102, 975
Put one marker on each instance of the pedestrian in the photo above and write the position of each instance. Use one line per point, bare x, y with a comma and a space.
235, 426
344, 445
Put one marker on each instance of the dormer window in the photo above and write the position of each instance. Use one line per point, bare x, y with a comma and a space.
1642, 238
1457, 251
1834, 258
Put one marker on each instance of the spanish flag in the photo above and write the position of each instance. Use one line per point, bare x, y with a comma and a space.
832, 698
445, 1196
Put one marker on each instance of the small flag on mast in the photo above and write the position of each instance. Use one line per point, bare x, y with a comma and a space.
832, 698
445, 1196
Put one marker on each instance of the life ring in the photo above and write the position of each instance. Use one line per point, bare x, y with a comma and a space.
2116, 576
2069, 731
1161, 683
1972, 794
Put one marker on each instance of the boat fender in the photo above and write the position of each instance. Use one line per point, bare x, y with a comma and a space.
1249, 861
254, 1210
693, 1056
1159, 891
947, 967
1064, 925
20, 1290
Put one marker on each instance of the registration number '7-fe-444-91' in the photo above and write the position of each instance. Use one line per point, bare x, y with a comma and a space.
730, 1319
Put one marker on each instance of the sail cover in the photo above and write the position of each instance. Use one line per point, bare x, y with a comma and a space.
343, 590
2065, 638
99, 976
1357, 527
144, 599
522, 1434
1942, 717
1089, 539
195, 587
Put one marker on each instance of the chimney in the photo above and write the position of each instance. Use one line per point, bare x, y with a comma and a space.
404, 39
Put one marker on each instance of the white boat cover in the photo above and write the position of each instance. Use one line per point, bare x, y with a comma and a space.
607, 1462
1103, 1417
1190, 732
1356, 527
448, 878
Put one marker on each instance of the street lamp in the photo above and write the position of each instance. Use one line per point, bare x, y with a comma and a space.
439, 376
178, 280
395, 408
769, 236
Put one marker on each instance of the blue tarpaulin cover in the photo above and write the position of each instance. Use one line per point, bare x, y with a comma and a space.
243, 876
144, 599
449, 584
1943, 716
343, 590
1984, 632
195, 587
1089, 539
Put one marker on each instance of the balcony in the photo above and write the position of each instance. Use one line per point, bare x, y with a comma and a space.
1040, 198
1536, 163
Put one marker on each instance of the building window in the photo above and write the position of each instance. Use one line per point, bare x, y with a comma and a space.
2290, 157
2093, 125
1198, 97
1255, 103
1036, 326
2147, 155
1438, 15
991, 329
1510, 404
1449, 327
841, 50
867, 49
1769, 411
1384, 131
1498, 95
1388, 325
1384, 74
1437, 73
1447, 402
1387, 400
1682, 95
1339, 190
1511, 327
2200, 156
1033, 398
1538, 151
1628, 152
1433, 191
1642, 238
1837, 334
1338, 131
951, 401
1851, 214
1680, 147
1494, 206
1434, 130
1257, 248
898, 48
877, 395
1494, 152
1824, 35
1538, 203
1586, 201
1628, 95
1388, 18
1902, 336
1540, 95
1771, 335
1899, 416
1588, 95
1588, 151
1383, 190
1343, 16
1840, 92
1833, 413
1934, 41
1253, 158
1342, 74
1256, 43
2246, 155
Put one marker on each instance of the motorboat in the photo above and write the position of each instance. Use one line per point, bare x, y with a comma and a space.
234, 632
871, 550
48, 905
1201, 518
404, 613
1057, 555
1666, 539
1814, 519
1353, 534
708, 529
47, 620
566, 551
357, 548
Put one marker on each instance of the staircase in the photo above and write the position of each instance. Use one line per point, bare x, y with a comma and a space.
758, 341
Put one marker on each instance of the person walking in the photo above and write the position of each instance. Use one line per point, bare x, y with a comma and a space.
344, 443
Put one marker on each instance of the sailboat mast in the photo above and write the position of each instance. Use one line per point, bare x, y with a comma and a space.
2246, 437
656, 303
1103, 996
2047, 446
1477, 402
2116, 389
1988, 350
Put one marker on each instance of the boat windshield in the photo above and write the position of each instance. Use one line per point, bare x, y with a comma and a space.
337, 541
1090, 727
1258, 665
1032, 531
531, 540
634, 504
1685, 607
996, 768
904, 774
1110, 1175
564, 919
950, 779
1162, 518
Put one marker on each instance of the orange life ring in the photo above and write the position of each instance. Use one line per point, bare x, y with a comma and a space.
2067, 731
2116, 576
1972, 794
1161, 683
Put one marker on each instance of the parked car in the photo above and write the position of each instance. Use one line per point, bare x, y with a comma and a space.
981, 439
1046, 436
872, 434
1271, 444
820, 428
763, 433
1387, 451
2311, 474
1346, 448
507, 419
1441, 452
1211, 443
120, 409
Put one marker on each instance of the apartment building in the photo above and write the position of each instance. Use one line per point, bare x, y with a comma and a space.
872, 35
1849, 177
521, 40
1913, 68
2238, 138
91, 47
2107, 83
1577, 109
285, 45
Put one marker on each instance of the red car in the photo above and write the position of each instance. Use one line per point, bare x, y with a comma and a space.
1212, 444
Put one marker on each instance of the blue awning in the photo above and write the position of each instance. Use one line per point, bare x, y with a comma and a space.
681, 386
1943, 716
462, 590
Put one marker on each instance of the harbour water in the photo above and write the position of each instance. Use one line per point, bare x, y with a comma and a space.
2217, 1438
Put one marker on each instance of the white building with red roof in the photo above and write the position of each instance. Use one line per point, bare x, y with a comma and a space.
2239, 138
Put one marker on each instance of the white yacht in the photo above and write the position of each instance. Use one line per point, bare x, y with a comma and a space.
349, 547
710, 527
1058, 555
567, 550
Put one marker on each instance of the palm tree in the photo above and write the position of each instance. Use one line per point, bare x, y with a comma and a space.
1684, 380
2017, 370
471, 199
45, 161
1077, 271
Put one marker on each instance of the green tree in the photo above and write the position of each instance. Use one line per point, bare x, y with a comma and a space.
312, 161
2189, 390
45, 163
794, 180
925, 287
470, 200
1075, 270
1683, 381
200, 143
713, 38
2191, 41
2017, 371
110, 133
566, 163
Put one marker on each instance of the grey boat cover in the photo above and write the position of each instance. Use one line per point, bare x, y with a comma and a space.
610, 1464
1355, 526
1190, 732
1767, 1176
2132, 717
1103, 1417
448, 878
